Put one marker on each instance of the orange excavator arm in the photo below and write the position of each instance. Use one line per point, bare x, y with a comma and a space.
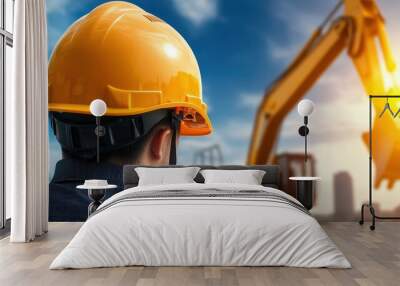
357, 30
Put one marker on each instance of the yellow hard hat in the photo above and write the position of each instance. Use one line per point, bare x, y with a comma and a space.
133, 61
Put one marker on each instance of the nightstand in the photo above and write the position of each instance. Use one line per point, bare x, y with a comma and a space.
96, 193
305, 188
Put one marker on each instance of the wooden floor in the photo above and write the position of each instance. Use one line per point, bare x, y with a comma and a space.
375, 257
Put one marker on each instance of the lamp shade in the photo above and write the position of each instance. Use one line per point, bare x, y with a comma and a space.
305, 107
98, 107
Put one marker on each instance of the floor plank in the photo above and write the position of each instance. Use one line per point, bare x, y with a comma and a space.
375, 257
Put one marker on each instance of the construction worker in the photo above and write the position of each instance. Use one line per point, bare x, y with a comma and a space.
149, 78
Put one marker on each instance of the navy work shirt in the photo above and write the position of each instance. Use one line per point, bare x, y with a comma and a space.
66, 203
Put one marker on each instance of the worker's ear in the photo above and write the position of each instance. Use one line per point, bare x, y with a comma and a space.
160, 146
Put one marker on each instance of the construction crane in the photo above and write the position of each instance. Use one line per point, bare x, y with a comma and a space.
360, 30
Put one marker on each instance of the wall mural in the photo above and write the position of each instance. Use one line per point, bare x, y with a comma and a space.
139, 69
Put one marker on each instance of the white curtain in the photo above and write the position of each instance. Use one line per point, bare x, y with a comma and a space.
26, 124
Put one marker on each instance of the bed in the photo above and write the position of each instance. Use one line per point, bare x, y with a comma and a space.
201, 224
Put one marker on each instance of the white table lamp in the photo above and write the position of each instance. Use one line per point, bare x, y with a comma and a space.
305, 108
98, 108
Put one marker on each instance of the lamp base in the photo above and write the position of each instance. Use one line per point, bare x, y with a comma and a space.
303, 130
305, 193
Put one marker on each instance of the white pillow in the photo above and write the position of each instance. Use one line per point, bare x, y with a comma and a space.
248, 177
164, 176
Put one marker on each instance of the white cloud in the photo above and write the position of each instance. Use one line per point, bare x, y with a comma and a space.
300, 23
57, 6
250, 100
60, 16
197, 11
281, 52
237, 129
232, 136
341, 107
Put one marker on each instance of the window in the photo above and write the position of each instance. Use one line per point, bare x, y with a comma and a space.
6, 62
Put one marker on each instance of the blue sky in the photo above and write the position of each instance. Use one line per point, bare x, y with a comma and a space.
241, 46
231, 39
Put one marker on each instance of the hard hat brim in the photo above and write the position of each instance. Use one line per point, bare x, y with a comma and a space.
186, 128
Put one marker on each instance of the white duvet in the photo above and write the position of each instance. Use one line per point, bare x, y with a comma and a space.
200, 231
